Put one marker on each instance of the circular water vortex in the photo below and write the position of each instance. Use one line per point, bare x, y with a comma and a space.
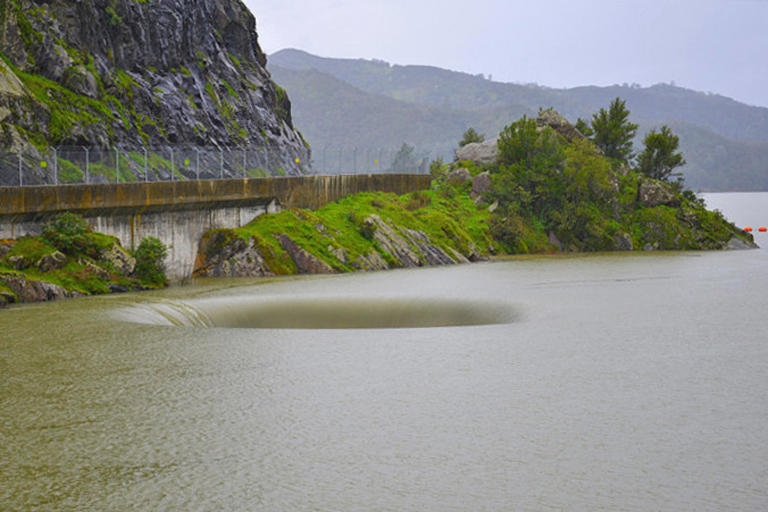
247, 312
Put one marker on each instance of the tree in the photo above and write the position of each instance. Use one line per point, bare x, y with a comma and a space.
150, 265
659, 158
584, 128
613, 133
471, 136
404, 160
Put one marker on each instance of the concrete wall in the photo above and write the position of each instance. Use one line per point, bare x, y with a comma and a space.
179, 213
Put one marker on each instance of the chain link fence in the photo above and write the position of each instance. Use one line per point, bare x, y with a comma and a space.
89, 165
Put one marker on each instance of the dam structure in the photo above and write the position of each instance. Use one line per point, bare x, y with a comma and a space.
179, 212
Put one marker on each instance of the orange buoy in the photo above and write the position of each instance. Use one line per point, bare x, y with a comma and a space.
747, 229
763, 229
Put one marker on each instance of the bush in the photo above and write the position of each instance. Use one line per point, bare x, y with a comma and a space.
150, 266
69, 233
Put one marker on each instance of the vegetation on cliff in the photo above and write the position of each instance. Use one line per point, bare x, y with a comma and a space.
165, 73
69, 259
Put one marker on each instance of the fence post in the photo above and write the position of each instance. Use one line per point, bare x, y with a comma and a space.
146, 167
87, 165
117, 165
197, 170
21, 172
245, 161
55, 167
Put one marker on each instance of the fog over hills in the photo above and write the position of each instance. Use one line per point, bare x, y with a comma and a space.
370, 103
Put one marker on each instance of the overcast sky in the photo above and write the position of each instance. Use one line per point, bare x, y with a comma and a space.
709, 45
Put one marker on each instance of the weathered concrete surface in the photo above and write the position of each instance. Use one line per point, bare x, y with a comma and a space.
179, 213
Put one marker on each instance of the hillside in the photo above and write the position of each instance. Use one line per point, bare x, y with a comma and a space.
725, 142
547, 190
127, 73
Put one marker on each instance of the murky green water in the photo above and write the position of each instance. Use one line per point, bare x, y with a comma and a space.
610, 382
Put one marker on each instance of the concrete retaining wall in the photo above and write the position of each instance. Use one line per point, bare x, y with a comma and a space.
179, 213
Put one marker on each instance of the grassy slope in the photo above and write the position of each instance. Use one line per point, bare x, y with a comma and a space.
448, 218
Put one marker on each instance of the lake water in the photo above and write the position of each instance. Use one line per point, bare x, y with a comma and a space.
598, 382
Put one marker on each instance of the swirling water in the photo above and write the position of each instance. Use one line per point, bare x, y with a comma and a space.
601, 382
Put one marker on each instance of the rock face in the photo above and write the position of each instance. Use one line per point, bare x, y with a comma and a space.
130, 73
222, 255
31, 291
305, 262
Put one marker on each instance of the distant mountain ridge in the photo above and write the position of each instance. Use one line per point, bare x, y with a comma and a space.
357, 102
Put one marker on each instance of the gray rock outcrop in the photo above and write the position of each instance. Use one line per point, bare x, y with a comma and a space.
306, 263
485, 152
654, 193
32, 291
559, 124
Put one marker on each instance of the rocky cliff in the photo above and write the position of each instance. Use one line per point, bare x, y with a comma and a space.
131, 72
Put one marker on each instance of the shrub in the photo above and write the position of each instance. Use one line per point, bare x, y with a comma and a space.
69, 233
150, 268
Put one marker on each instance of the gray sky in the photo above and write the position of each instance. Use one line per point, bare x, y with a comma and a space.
709, 45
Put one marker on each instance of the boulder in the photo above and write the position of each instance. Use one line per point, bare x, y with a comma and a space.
623, 242
559, 124
120, 259
459, 176
6, 245
481, 184
485, 152
655, 193
52, 261
18, 262
306, 263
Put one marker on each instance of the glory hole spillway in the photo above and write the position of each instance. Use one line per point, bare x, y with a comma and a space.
179, 213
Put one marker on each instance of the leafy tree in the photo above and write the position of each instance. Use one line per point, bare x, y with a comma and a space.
660, 157
150, 266
471, 136
613, 133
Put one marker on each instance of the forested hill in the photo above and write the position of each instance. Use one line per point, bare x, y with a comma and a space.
725, 142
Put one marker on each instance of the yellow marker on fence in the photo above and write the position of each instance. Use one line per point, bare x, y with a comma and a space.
376, 161
43, 164
297, 160
186, 162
